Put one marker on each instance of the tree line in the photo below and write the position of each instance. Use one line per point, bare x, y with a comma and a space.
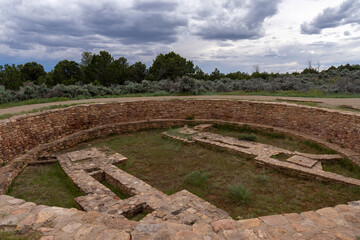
102, 69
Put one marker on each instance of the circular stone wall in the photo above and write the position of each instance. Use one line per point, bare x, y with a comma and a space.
22, 133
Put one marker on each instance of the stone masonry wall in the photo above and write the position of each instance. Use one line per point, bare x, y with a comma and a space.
22, 133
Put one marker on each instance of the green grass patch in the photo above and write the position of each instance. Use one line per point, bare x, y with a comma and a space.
343, 167
197, 178
247, 137
165, 163
46, 185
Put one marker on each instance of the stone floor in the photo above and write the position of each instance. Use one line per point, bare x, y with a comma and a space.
304, 164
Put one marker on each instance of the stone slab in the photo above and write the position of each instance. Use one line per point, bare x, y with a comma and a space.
302, 161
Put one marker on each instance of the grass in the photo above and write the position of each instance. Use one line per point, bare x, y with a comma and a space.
272, 138
281, 156
46, 185
262, 178
140, 215
5, 116
343, 167
164, 164
15, 235
115, 190
247, 137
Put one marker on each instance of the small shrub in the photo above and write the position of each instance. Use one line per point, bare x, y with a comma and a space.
239, 193
197, 178
262, 178
192, 117
247, 137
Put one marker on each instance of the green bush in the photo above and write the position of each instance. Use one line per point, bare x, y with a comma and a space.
247, 137
197, 178
239, 193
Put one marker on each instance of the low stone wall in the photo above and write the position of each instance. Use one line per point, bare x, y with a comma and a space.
19, 134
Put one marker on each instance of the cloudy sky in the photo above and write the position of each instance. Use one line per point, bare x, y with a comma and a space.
232, 35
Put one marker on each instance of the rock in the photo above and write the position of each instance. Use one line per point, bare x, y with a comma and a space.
71, 227
328, 212
300, 228
201, 228
277, 232
274, 220
148, 228
224, 224
249, 223
122, 224
47, 238
293, 217
187, 235
232, 235
83, 233
43, 216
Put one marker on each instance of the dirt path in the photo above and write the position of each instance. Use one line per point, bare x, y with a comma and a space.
331, 102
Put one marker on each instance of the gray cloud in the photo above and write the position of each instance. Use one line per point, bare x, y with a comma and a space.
347, 12
239, 20
85, 25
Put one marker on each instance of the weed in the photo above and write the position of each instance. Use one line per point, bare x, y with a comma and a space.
239, 193
197, 178
262, 178
247, 137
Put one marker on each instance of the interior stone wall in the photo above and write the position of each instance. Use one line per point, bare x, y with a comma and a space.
21, 133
